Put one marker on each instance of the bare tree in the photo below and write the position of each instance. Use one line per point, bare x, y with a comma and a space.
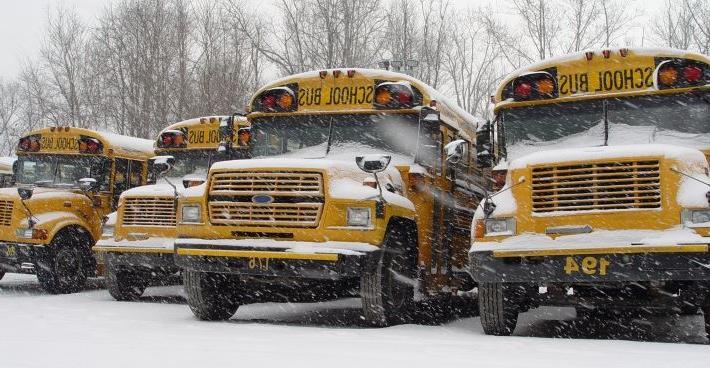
540, 24
9, 115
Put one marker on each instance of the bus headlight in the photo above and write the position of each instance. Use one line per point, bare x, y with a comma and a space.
694, 218
190, 213
107, 231
358, 216
501, 226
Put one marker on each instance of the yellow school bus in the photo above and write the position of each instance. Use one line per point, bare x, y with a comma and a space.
348, 191
6, 175
137, 247
605, 203
68, 179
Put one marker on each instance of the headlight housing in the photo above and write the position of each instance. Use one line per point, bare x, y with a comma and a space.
24, 233
107, 231
500, 226
358, 216
696, 218
191, 213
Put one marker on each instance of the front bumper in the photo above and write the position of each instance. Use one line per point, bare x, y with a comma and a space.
149, 254
265, 257
594, 264
20, 257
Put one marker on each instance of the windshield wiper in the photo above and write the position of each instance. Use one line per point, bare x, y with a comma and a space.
330, 137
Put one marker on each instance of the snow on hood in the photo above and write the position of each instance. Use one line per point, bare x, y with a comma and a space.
680, 154
42, 193
160, 189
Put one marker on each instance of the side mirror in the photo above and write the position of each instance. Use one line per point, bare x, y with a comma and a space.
161, 165
25, 193
484, 146
429, 115
88, 184
455, 151
244, 136
373, 163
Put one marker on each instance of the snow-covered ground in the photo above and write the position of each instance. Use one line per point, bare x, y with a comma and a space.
90, 329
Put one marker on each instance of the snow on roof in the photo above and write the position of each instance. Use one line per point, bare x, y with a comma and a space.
195, 121
680, 154
127, 143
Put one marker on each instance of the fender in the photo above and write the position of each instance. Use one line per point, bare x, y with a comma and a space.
56, 221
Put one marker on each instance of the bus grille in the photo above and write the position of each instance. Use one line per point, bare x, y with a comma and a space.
294, 199
273, 183
605, 186
275, 214
139, 211
6, 213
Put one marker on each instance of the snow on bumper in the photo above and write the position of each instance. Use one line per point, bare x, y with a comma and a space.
601, 256
268, 257
150, 253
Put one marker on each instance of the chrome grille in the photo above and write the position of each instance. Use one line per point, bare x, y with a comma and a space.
275, 214
149, 211
6, 213
274, 183
604, 186
297, 198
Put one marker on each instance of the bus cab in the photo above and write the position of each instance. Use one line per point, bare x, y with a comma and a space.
360, 181
67, 180
137, 243
605, 202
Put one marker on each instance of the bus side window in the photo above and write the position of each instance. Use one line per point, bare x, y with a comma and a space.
120, 178
136, 173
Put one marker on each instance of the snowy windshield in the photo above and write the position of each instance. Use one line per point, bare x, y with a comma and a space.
195, 162
352, 134
672, 119
63, 170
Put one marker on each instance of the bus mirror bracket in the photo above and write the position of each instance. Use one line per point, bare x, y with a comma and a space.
88, 185
161, 165
455, 151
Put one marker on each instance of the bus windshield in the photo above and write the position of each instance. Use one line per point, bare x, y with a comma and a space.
194, 162
352, 134
670, 119
62, 170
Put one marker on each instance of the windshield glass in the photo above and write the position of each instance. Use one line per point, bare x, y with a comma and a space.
672, 119
353, 134
64, 170
193, 163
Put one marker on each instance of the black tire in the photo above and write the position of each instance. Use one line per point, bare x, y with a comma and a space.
2, 274
706, 319
386, 285
63, 269
124, 285
211, 296
498, 308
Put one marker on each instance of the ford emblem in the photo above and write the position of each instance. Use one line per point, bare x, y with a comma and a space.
262, 199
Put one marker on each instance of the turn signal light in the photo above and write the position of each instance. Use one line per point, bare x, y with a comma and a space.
533, 86
393, 95
479, 229
278, 99
90, 145
40, 234
681, 73
29, 144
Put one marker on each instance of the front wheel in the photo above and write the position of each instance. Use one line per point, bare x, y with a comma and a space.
387, 283
2, 274
211, 296
124, 285
63, 271
497, 307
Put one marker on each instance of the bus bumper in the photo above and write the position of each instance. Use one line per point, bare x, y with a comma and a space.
595, 264
20, 257
152, 254
327, 260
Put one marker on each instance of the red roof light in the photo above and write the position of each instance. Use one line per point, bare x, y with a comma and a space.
692, 73
523, 90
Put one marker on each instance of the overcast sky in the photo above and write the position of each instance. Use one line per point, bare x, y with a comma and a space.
22, 23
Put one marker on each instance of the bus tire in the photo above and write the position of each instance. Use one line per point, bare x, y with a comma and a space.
498, 310
124, 285
63, 270
387, 295
2, 274
211, 296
